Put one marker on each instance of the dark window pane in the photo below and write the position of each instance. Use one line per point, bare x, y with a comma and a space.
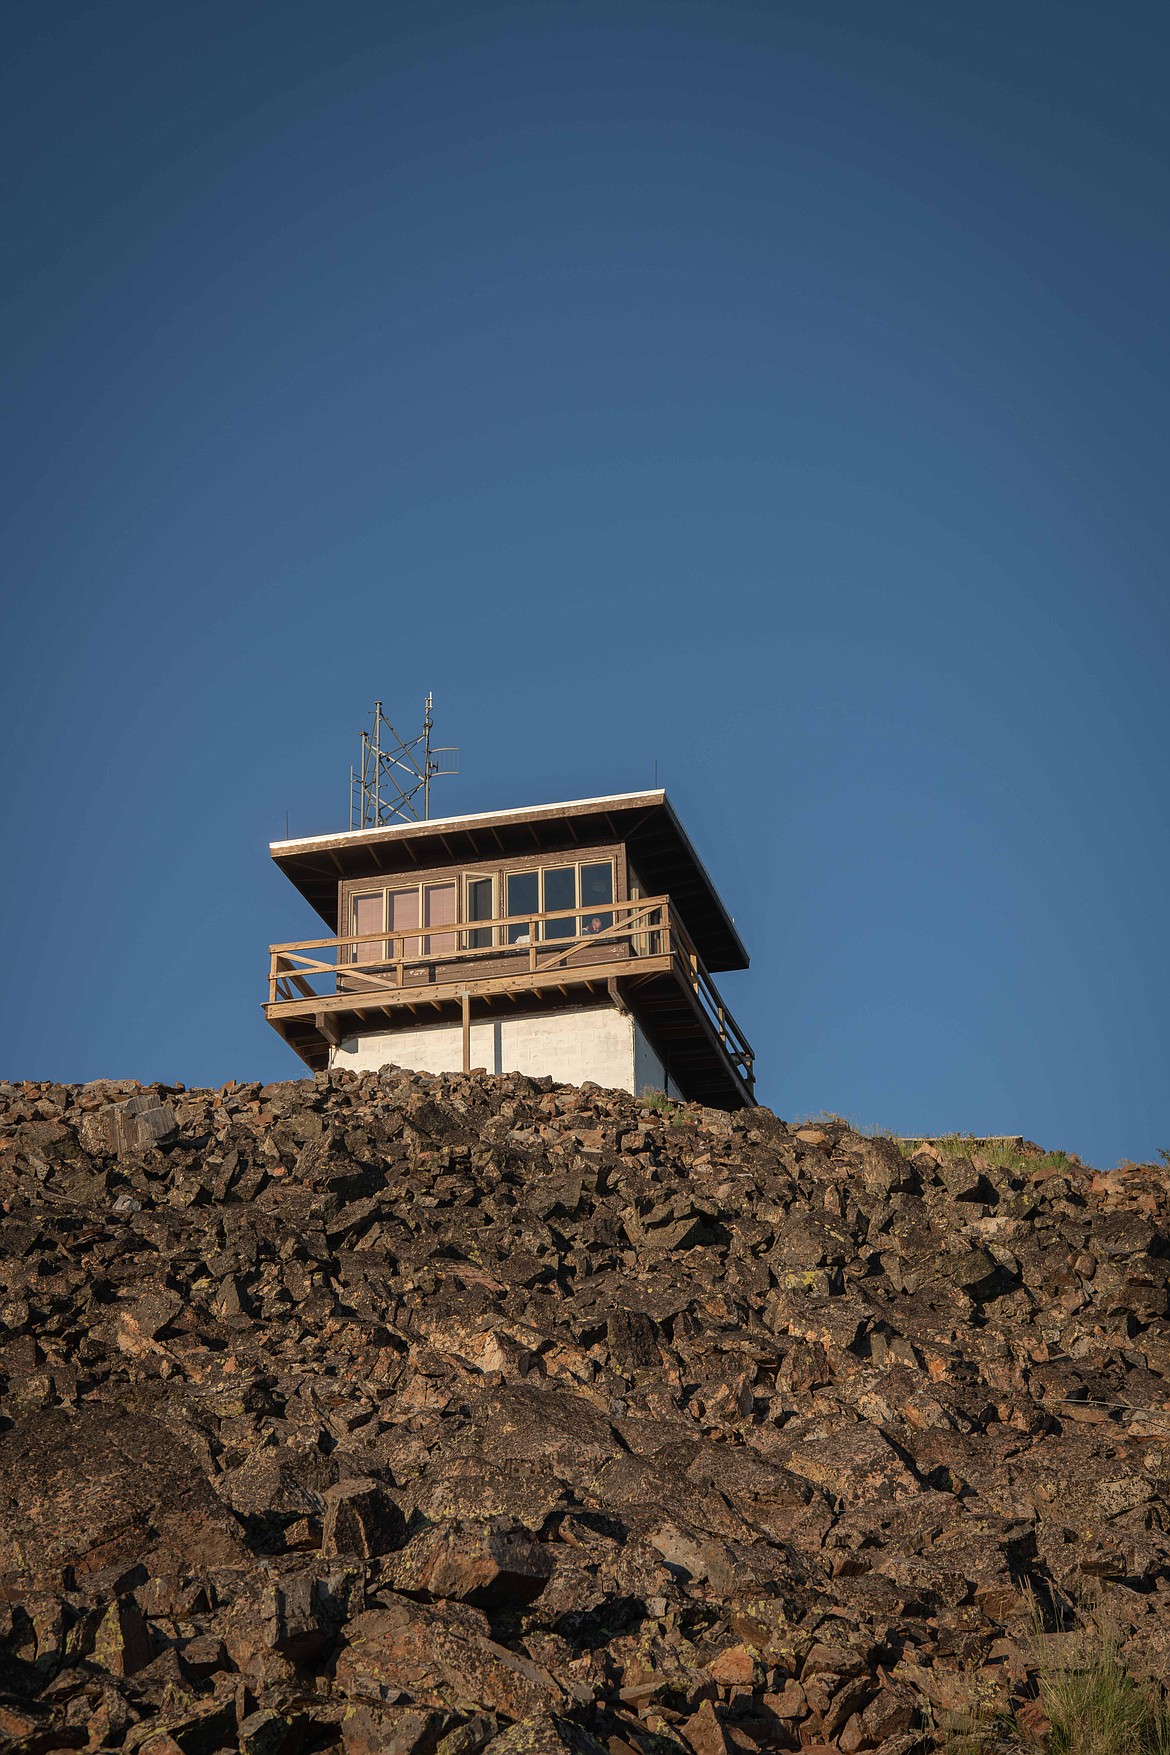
596, 887
523, 898
560, 891
479, 907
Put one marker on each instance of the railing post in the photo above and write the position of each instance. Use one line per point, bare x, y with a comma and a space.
649, 926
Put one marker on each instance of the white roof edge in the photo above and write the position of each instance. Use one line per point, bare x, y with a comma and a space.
656, 795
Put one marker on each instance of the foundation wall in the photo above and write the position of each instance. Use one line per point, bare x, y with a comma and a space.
582, 1042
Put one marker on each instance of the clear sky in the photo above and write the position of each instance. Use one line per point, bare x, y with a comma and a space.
774, 392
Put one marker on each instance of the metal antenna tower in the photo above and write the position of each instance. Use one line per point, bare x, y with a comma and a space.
394, 770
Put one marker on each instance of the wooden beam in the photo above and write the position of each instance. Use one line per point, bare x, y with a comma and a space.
672, 986
466, 1003
581, 975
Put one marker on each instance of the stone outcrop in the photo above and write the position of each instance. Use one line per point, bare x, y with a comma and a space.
399, 1415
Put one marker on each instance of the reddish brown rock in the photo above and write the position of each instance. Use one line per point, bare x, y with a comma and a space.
442, 1656
390, 1412
360, 1519
489, 1562
98, 1489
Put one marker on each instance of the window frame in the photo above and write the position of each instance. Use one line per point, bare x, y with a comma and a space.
430, 930
491, 933
496, 872
576, 908
360, 953
512, 934
604, 910
554, 931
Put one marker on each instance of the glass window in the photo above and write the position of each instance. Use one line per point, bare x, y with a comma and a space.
523, 898
439, 910
403, 906
596, 889
645, 944
367, 917
560, 891
479, 907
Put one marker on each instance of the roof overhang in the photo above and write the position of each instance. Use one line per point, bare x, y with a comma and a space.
645, 821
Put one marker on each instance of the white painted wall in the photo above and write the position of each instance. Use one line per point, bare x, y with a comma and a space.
581, 1042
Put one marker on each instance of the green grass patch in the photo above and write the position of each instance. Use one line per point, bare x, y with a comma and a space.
1098, 1708
1094, 1704
997, 1156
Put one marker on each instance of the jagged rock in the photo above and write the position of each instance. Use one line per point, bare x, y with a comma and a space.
304, 1613
392, 1730
385, 1412
118, 1639
267, 1732
488, 1562
360, 1518
86, 1491
546, 1734
131, 1126
202, 1728
441, 1657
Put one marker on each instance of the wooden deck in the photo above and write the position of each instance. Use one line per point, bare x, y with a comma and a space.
642, 959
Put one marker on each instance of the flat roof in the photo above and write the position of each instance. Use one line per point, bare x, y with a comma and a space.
645, 821
520, 814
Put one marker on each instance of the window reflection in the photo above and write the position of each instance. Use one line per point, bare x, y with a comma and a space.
479, 907
596, 888
560, 891
523, 898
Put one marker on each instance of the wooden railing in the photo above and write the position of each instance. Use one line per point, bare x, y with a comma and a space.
518, 944
689, 964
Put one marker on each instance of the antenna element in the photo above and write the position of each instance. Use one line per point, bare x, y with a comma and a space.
394, 771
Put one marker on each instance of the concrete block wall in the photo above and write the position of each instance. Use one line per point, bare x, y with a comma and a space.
581, 1042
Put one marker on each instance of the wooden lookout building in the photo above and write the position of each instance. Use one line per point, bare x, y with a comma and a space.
574, 940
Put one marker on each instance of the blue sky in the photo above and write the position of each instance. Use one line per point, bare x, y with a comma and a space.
773, 392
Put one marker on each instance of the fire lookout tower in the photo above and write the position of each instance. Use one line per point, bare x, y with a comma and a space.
573, 940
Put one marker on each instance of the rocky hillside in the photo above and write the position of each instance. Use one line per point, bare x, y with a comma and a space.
401, 1415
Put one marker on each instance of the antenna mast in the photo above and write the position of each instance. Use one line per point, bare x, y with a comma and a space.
394, 771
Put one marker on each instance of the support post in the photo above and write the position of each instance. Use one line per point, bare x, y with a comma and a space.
465, 999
